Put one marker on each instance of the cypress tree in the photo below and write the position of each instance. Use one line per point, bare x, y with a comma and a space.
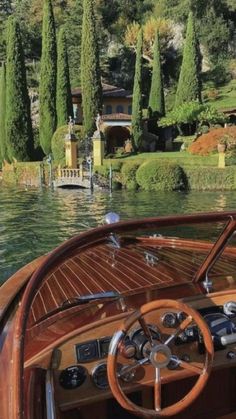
189, 84
137, 130
156, 103
48, 73
3, 153
19, 136
90, 69
64, 99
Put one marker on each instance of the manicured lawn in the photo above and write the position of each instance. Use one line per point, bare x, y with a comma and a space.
182, 158
226, 97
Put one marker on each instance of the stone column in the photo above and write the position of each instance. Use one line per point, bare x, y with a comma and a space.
71, 148
98, 148
221, 162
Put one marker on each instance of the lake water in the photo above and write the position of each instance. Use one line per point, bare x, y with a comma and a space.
33, 221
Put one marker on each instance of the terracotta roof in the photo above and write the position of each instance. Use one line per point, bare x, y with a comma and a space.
108, 91
116, 116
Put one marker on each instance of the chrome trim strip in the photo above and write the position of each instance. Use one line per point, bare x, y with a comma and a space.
115, 341
50, 405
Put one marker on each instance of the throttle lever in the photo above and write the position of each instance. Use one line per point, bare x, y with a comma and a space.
229, 308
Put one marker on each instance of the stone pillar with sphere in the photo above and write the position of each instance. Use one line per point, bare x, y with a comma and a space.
98, 143
71, 146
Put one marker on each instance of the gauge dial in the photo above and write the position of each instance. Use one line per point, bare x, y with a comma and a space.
141, 342
72, 377
127, 349
169, 320
99, 376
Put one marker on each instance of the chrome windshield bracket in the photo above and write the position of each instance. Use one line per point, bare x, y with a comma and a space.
208, 284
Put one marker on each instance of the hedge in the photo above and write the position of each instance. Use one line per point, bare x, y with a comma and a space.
209, 178
128, 175
154, 176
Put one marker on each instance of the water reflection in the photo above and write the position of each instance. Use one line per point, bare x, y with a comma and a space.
35, 221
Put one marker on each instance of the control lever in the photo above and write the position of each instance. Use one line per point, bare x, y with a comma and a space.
229, 308
228, 339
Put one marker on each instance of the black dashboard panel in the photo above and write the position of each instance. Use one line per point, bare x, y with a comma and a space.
93, 349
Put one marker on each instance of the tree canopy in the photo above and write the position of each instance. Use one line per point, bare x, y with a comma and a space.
48, 74
19, 137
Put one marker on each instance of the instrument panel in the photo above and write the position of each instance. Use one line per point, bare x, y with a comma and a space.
81, 376
92, 350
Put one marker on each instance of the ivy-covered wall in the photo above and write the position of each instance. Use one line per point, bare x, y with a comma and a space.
26, 173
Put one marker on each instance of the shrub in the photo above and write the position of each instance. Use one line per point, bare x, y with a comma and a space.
154, 176
230, 159
58, 142
128, 172
210, 178
102, 171
212, 94
116, 165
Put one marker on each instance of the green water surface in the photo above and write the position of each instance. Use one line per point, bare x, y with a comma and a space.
33, 221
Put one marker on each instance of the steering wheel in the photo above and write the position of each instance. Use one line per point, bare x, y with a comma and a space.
159, 357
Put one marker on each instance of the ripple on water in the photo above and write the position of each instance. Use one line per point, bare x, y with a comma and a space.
32, 222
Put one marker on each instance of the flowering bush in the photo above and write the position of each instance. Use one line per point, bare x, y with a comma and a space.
207, 143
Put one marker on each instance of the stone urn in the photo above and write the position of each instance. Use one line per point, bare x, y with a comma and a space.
221, 147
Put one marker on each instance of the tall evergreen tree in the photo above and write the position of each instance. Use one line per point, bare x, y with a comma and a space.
156, 103
19, 136
64, 99
137, 130
3, 152
189, 84
48, 74
5, 11
90, 69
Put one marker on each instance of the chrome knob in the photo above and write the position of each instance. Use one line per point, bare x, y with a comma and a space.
111, 218
229, 308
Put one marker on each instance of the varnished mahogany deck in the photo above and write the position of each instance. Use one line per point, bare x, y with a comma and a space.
124, 270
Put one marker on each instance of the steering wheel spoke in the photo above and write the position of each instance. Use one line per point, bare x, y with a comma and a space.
191, 367
185, 323
157, 390
127, 369
146, 330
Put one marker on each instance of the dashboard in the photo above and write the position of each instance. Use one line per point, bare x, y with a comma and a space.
82, 374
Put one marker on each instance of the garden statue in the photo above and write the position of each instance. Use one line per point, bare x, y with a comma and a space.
98, 122
128, 146
71, 124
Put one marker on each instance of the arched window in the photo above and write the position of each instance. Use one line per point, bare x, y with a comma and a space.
120, 109
130, 109
108, 109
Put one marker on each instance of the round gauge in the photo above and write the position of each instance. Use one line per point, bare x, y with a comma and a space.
72, 377
99, 376
141, 342
169, 320
181, 316
127, 349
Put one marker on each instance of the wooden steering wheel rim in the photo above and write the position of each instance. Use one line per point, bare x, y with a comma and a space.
198, 386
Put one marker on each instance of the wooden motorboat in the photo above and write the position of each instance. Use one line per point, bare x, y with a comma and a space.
134, 318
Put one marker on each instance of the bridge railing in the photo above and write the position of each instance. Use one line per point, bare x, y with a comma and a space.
73, 173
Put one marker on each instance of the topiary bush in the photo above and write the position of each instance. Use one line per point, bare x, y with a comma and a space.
154, 176
58, 142
128, 173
